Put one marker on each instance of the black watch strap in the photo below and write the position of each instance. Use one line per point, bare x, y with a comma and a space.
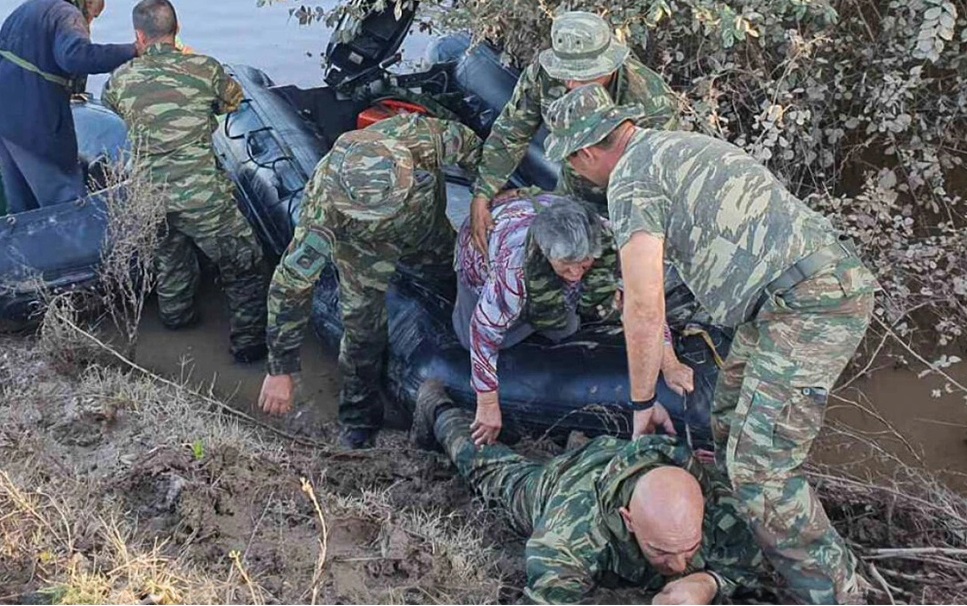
644, 404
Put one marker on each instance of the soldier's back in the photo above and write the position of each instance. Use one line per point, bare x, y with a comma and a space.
169, 101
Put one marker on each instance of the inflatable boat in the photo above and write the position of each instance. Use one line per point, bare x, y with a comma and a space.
270, 148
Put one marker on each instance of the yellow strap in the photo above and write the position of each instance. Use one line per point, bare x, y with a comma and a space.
30, 67
691, 331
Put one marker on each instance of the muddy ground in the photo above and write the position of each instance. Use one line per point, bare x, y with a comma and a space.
116, 488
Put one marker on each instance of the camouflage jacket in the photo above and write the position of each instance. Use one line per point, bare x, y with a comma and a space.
536, 90
729, 226
580, 539
170, 102
323, 234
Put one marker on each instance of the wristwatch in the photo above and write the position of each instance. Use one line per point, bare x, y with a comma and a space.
719, 581
642, 405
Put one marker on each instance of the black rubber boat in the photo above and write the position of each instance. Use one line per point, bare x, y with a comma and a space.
270, 147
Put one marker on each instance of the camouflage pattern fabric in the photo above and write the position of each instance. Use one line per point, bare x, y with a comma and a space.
223, 235
366, 254
546, 307
527, 109
768, 408
569, 506
729, 226
583, 48
170, 101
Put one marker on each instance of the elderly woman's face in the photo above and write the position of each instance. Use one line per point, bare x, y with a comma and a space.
572, 271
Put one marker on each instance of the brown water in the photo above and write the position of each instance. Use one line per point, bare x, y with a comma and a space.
921, 427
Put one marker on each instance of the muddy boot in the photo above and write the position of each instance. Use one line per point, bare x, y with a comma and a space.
430, 401
357, 438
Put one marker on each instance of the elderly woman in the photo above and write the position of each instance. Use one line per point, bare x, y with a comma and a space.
546, 259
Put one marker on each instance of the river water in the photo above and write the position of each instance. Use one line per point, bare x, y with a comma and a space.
236, 31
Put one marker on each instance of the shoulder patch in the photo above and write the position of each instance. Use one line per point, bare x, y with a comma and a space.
312, 254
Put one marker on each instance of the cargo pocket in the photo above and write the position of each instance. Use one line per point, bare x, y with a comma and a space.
773, 434
797, 426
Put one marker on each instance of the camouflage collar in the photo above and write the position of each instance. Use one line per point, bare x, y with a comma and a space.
161, 48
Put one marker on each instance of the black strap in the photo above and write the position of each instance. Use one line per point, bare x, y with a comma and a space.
806, 268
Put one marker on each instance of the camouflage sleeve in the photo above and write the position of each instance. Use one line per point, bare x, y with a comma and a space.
661, 111
228, 92
290, 292
556, 574
511, 134
460, 145
633, 207
109, 96
734, 554
661, 104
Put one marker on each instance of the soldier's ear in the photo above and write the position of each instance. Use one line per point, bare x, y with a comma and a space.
626, 516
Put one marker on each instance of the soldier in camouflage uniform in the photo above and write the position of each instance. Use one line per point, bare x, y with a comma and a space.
583, 50
756, 258
377, 199
170, 101
645, 512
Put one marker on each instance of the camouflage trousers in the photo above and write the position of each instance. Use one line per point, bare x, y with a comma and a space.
768, 408
502, 477
364, 279
223, 235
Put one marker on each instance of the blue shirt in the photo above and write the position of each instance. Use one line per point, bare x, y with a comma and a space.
54, 36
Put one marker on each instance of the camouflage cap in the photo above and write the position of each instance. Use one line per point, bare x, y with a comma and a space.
583, 48
373, 174
582, 118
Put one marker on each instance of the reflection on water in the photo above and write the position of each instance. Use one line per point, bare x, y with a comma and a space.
235, 31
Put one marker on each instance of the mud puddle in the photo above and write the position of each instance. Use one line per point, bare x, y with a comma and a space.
891, 407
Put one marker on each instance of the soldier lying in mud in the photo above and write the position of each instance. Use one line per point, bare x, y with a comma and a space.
645, 512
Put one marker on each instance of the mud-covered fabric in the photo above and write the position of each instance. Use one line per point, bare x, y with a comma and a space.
569, 509
222, 234
523, 115
768, 408
170, 101
730, 227
366, 254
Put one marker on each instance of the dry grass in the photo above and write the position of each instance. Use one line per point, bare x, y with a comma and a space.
70, 527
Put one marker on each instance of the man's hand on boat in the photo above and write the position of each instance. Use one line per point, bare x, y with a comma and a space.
482, 223
276, 395
486, 425
648, 421
679, 377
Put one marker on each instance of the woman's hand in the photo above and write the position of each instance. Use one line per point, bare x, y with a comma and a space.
486, 425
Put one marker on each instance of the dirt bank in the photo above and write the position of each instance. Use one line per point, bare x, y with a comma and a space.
117, 488
891, 406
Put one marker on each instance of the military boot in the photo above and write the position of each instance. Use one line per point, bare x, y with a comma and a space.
430, 401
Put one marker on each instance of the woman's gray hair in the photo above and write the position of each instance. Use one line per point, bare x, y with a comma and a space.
568, 231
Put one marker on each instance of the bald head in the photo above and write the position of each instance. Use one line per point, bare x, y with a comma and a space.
665, 514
